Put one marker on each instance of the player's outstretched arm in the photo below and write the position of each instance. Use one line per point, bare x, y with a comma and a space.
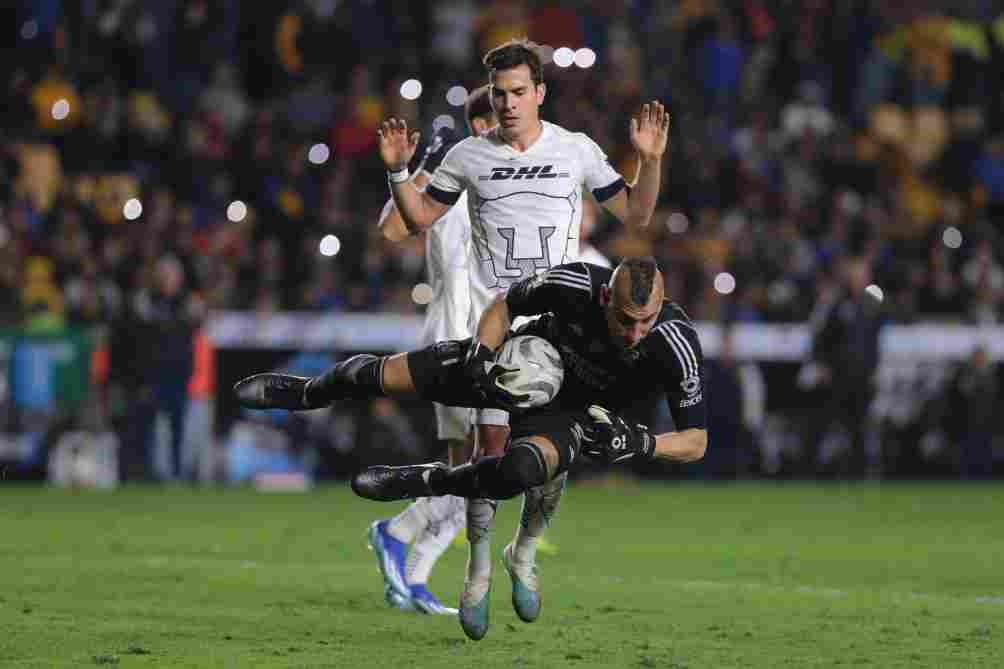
610, 438
649, 136
397, 146
391, 223
683, 446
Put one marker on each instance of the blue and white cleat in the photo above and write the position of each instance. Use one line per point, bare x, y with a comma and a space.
525, 590
396, 601
391, 555
426, 602
475, 608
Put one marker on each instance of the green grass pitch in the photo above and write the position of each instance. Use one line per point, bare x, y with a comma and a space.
675, 575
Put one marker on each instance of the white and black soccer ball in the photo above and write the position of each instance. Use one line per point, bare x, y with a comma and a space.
538, 369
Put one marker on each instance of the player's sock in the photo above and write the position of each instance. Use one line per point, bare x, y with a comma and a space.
410, 523
358, 377
447, 515
539, 506
480, 523
521, 468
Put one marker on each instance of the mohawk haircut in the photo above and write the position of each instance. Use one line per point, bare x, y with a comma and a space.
478, 104
514, 53
641, 274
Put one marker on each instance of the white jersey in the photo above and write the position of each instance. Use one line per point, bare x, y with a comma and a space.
525, 207
447, 245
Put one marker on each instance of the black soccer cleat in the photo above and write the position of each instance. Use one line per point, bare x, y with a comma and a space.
272, 391
388, 484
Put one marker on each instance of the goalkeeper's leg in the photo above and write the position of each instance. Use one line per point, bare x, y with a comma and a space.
431, 373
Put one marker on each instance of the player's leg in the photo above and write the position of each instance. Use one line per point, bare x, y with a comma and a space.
446, 515
492, 436
431, 373
520, 556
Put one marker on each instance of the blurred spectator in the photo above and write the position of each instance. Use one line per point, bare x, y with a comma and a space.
973, 396
845, 350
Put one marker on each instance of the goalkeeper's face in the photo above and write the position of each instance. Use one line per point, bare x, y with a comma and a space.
633, 300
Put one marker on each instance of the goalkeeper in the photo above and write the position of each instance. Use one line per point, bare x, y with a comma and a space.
621, 343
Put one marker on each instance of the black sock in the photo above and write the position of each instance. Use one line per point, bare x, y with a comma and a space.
359, 377
487, 478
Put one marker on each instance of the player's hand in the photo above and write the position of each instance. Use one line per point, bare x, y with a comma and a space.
609, 438
650, 131
396, 144
484, 374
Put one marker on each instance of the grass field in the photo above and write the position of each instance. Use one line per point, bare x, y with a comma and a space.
653, 576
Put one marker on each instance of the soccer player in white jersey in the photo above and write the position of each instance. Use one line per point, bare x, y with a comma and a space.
524, 182
409, 544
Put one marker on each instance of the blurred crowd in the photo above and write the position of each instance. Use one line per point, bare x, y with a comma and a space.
164, 159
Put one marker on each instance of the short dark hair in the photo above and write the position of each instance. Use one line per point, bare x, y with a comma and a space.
641, 273
512, 54
478, 105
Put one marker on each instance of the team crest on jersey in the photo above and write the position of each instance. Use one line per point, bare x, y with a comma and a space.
526, 172
691, 385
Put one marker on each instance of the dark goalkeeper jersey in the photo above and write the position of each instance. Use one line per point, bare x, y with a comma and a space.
667, 361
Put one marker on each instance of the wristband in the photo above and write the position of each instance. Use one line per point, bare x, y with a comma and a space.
399, 176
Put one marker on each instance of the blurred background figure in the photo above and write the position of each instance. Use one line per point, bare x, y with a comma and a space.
845, 350
973, 402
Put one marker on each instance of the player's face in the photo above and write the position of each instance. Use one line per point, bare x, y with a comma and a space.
516, 100
626, 330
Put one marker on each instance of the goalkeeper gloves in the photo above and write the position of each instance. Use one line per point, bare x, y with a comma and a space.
485, 374
609, 438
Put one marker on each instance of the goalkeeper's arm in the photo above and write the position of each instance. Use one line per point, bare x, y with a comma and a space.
683, 446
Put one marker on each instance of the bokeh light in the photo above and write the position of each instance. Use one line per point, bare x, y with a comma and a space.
457, 96
875, 292
330, 246
421, 293
678, 223
132, 209
443, 121
60, 109
237, 211
952, 237
564, 57
725, 283
585, 57
411, 89
319, 153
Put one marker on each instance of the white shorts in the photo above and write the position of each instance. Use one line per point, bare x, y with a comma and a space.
453, 423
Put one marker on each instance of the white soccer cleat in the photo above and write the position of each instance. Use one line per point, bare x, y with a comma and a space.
474, 607
525, 589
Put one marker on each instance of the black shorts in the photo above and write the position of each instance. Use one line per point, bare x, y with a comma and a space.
438, 374
561, 428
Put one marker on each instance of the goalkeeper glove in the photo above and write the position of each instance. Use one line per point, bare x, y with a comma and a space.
484, 374
609, 438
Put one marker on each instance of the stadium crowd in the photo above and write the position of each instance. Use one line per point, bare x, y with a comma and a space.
161, 160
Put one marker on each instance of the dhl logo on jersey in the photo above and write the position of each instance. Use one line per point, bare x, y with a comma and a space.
527, 172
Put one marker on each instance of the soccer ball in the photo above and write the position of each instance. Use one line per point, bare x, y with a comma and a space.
539, 371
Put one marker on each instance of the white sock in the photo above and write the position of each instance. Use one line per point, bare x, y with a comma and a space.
449, 515
539, 506
480, 523
411, 522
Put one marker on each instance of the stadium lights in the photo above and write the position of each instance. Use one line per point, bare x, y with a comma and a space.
443, 121
411, 89
725, 283
456, 96
678, 223
875, 292
319, 153
330, 246
29, 29
952, 237
421, 293
132, 209
237, 211
564, 57
585, 58
60, 109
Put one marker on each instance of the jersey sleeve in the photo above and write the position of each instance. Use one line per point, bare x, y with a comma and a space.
449, 180
678, 350
599, 175
561, 289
